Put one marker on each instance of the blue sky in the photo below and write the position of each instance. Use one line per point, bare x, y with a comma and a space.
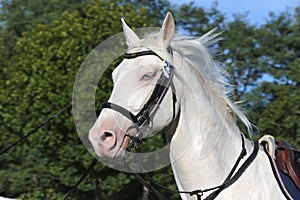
258, 9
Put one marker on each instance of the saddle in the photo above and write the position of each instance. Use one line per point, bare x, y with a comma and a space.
288, 160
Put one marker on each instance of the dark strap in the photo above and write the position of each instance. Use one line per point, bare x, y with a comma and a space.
158, 94
121, 110
156, 97
21, 139
230, 180
141, 53
83, 176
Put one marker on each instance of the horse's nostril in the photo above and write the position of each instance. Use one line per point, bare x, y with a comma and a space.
108, 139
108, 134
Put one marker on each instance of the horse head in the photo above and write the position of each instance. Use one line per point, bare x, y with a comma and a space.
142, 101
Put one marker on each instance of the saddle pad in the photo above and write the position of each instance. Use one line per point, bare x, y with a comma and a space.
289, 184
285, 183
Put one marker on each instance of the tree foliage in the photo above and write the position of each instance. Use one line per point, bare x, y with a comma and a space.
37, 84
274, 101
43, 44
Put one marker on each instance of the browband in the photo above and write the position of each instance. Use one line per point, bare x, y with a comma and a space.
141, 53
146, 53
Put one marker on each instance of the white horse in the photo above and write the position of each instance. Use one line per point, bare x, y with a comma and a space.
206, 142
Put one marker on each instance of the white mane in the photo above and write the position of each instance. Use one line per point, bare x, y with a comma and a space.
195, 51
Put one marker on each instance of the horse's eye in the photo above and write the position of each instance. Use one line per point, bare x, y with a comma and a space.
148, 76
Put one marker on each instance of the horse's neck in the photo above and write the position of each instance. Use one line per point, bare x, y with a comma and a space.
205, 144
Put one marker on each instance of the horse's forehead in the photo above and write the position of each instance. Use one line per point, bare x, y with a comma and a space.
131, 66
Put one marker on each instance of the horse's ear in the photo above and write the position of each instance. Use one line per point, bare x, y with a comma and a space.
130, 36
166, 32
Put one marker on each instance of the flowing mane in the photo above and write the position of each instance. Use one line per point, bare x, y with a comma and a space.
198, 55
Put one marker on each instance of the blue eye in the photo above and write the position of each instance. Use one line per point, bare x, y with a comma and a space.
148, 76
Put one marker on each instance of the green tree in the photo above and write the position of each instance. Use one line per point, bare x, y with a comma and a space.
156, 8
241, 56
38, 84
19, 16
276, 101
196, 20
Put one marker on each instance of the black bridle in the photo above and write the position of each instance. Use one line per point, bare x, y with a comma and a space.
143, 117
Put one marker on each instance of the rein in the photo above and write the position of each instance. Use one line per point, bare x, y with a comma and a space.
21, 139
148, 182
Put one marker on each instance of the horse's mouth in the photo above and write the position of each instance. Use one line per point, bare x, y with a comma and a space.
120, 151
